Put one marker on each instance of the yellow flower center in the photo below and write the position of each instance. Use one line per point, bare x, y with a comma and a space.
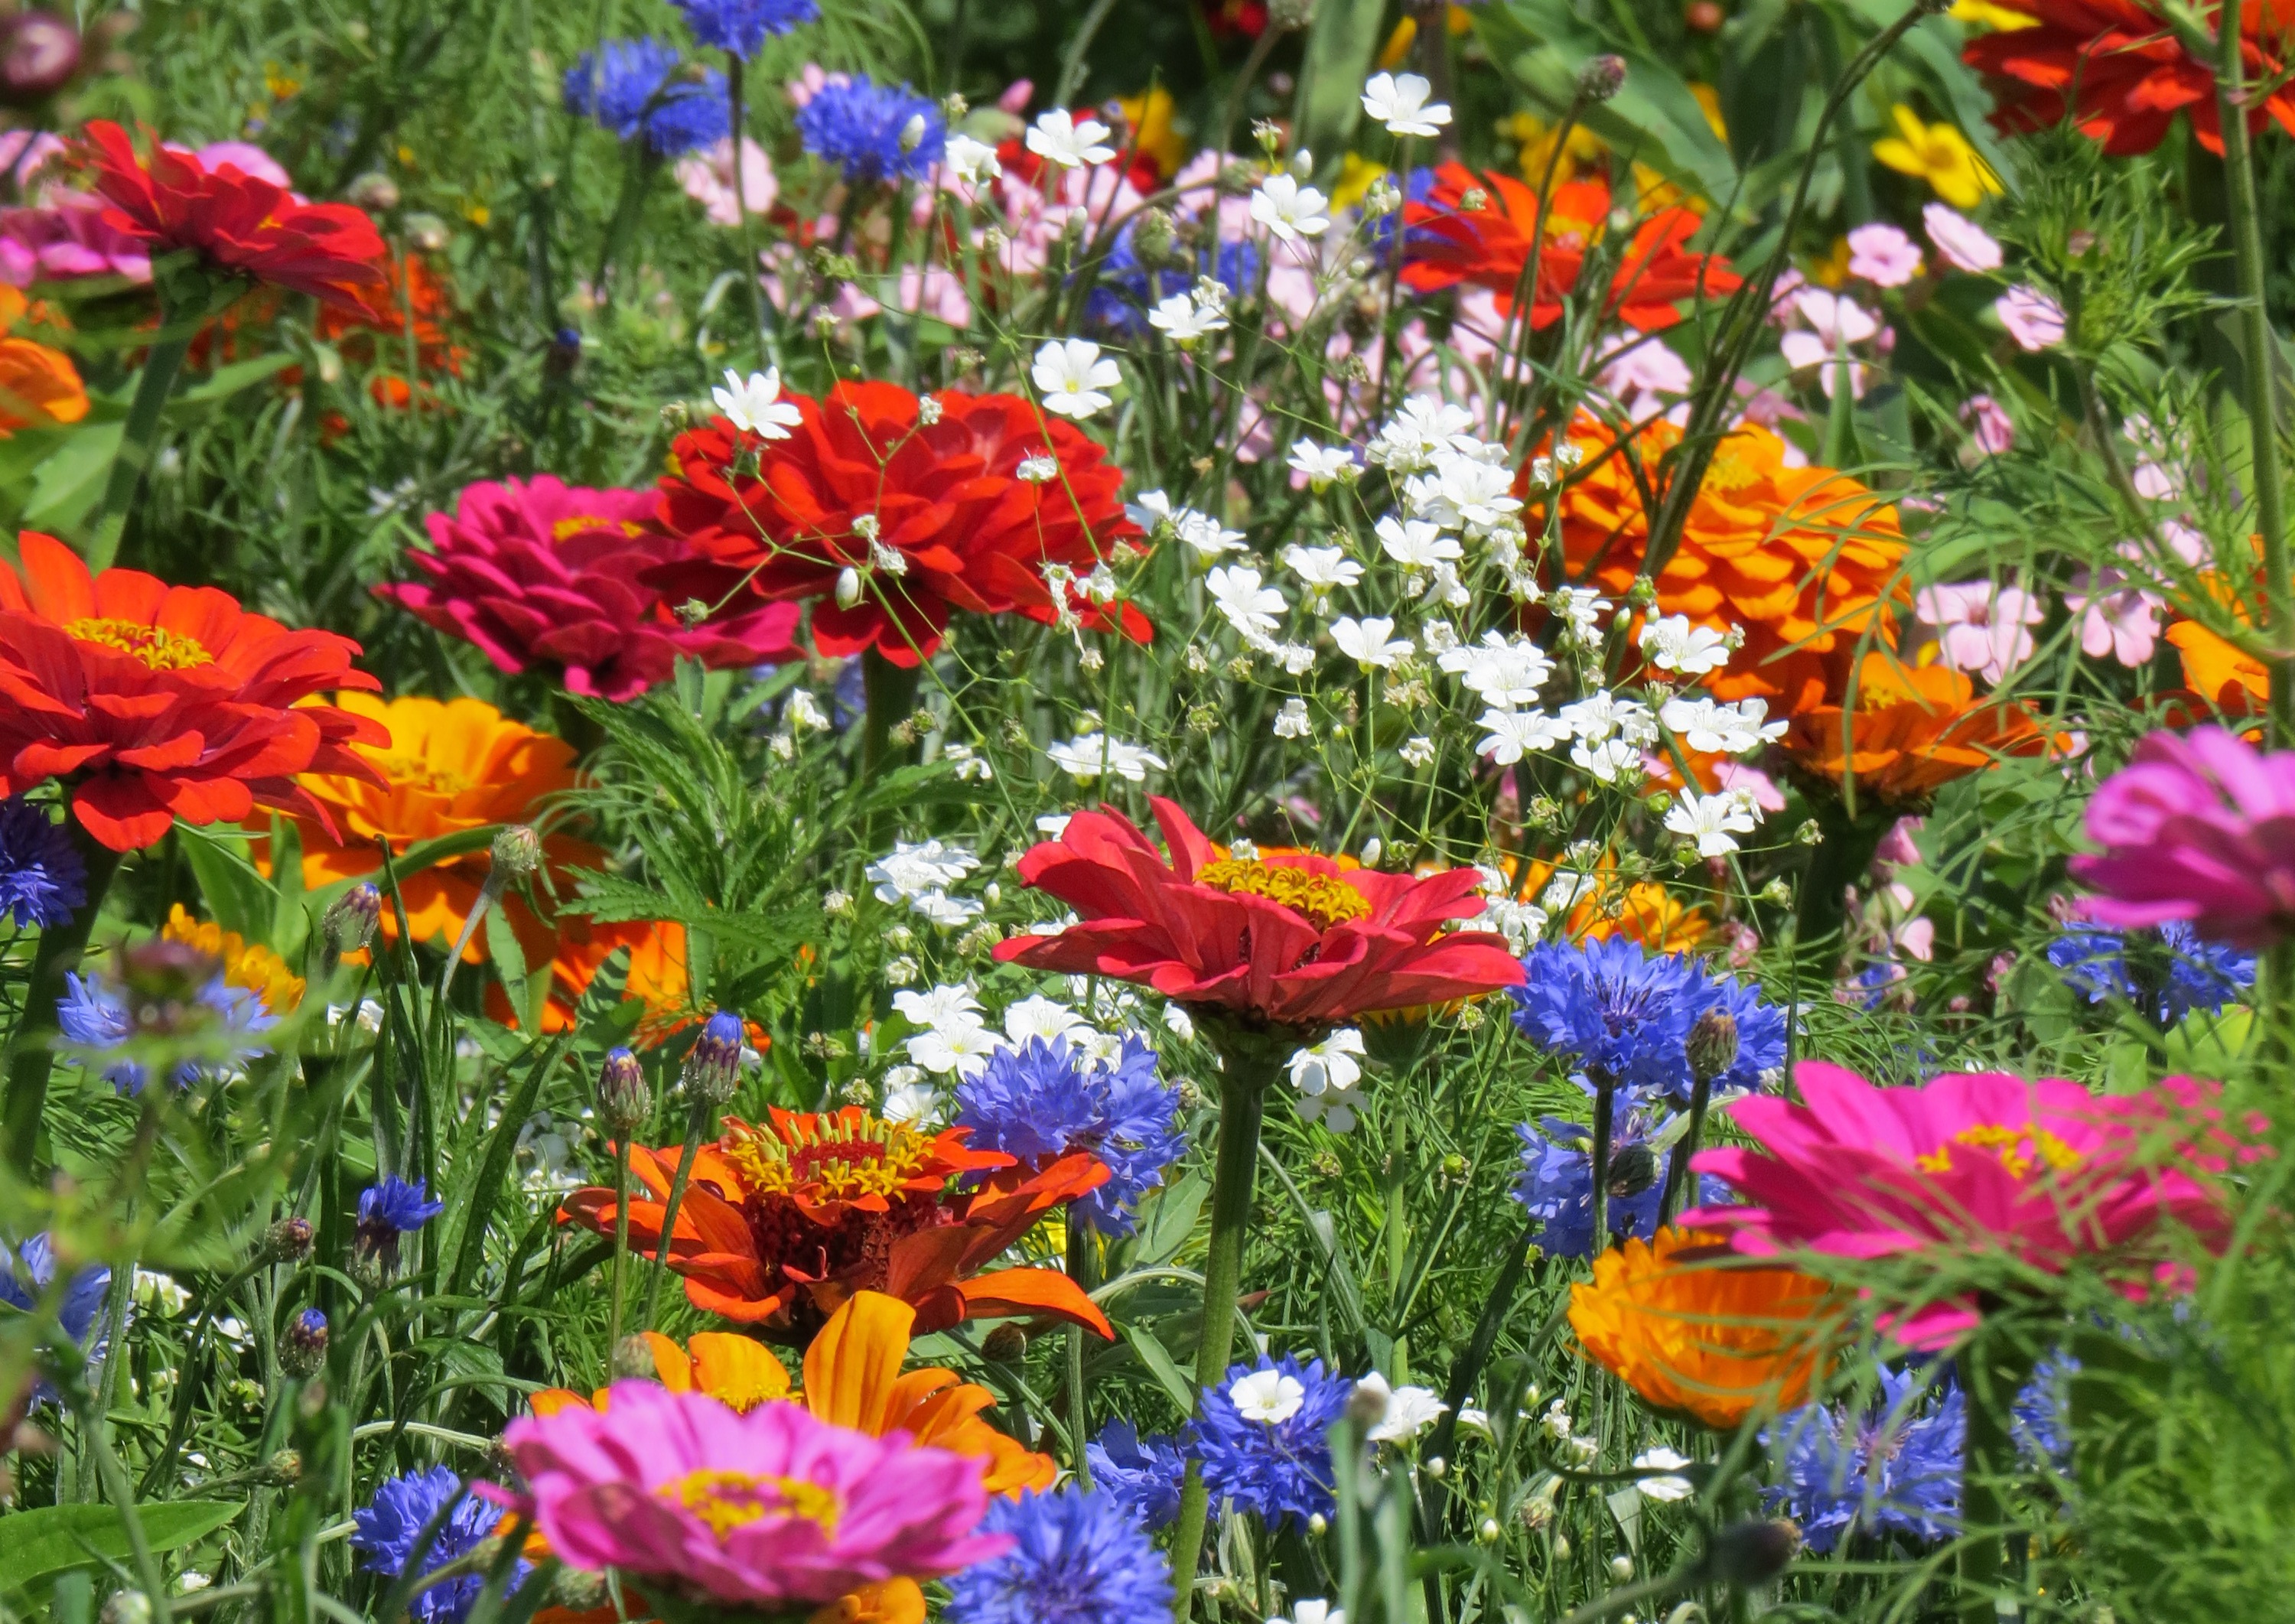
245, 964
2021, 1150
1325, 899
415, 772
156, 646
832, 1163
582, 524
725, 1500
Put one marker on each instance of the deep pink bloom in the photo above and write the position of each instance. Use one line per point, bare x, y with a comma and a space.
2198, 827
2041, 1172
542, 573
770, 1508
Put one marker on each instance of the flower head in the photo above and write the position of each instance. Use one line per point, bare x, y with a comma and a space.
1907, 730
1073, 377
2034, 320
1616, 1007
389, 1212
247, 965
220, 1024
741, 26
1556, 1184
1078, 1557
43, 878
1047, 1098
1891, 1468
637, 87
1939, 154
1142, 1472
1288, 210
1399, 104
27, 1271
1882, 254
1960, 241
1063, 139
754, 405
1259, 1438
872, 132
2167, 972
386, 1529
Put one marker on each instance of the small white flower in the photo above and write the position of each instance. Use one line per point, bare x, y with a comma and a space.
1249, 606
1089, 754
1509, 735
1415, 545
1289, 209
754, 405
911, 871
1602, 715
943, 1006
945, 910
1038, 1016
1581, 1450
1204, 534
1321, 568
930, 410
1399, 104
1366, 642
1465, 493
1501, 671
1713, 821
972, 161
1610, 762
1313, 1612
1073, 376
1420, 427
1183, 321
968, 762
1418, 751
909, 1097
1720, 729
892, 560
1674, 644
1059, 137
803, 713
1556, 1422
1293, 657
1409, 1411
1581, 609
1330, 1065
1292, 721
1179, 1023
1324, 465
1038, 470
1669, 1488
1522, 924
1267, 1396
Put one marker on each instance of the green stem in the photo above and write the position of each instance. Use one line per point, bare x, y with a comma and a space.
33, 1053
637, 169
1242, 1087
768, 348
1080, 1271
1837, 862
1677, 1168
161, 365
1992, 1377
695, 1125
1606, 1099
621, 1249
892, 695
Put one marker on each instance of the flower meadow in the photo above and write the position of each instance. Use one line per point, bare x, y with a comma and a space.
1265, 812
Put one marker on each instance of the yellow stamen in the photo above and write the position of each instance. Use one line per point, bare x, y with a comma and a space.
156, 646
725, 1500
831, 1162
2021, 1150
413, 772
1325, 899
582, 524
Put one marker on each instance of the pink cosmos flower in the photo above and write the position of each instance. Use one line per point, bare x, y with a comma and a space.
2034, 320
1967, 1164
1980, 627
1883, 256
1960, 241
542, 573
2199, 827
708, 178
2116, 618
1835, 323
769, 1508
1990, 429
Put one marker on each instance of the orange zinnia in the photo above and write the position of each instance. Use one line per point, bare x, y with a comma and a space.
781, 1225
245, 964
1914, 729
2224, 674
154, 701
1605, 906
1799, 557
1696, 1333
37, 384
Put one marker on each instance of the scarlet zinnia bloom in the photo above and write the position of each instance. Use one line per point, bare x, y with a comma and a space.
1913, 729
2120, 73
542, 573
927, 518
1445, 244
1289, 939
238, 222
154, 701
782, 1224
1801, 558
1693, 1330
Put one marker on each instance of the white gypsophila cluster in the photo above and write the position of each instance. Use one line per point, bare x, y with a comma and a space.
1324, 466
1292, 721
1328, 1076
1714, 822
921, 876
1152, 510
1247, 603
1088, 755
1422, 426
1185, 318
1501, 671
1321, 570
1674, 643
1579, 609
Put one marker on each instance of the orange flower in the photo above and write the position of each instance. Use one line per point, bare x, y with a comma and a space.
1799, 557
781, 1225
37, 384
1693, 1333
245, 964
2236, 683
1914, 730
1604, 906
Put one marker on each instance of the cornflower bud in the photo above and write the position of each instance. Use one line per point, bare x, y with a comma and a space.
517, 852
633, 1360
713, 1066
1712, 1045
624, 1099
303, 1349
284, 1469
1632, 1170
1006, 1343
1752, 1552
351, 918
1601, 78
125, 1607
375, 192
288, 1241
39, 52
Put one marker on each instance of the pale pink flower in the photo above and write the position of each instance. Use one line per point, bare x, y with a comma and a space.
708, 178
1960, 241
1836, 322
2115, 616
1883, 256
936, 291
2189, 545
2034, 320
1648, 368
250, 159
1899, 847
1980, 627
1756, 783
1990, 428
1789, 282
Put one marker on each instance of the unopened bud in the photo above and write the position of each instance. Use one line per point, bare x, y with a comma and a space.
351, 919
1752, 1553
1641, 593
912, 133
848, 587
427, 233
375, 192
624, 1099
1633, 1169
1437, 1467
1318, 1524
288, 1241
1562, 1548
39, 52
1621, 1568
1489, 1532
1152, 237
1601, 78
577, 1591
713, 1066
125, 1607
284, 1469
1366, 1403
1712, 1045
1288, 16
1006, 1343
303, 1349
633, 1360
953, 108
517, 852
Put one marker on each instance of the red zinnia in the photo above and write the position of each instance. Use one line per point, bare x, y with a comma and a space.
2120, 73
239, 223
1446, 244
927, 517
542, 573
1289, 938
155, 702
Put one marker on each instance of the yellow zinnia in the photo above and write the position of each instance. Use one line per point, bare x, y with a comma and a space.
1939, 154
245, 964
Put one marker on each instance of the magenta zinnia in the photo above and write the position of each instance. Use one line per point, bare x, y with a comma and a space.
2037, 1172
769, 1508
538, 573
2199, 827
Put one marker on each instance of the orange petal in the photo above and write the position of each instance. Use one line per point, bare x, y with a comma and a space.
893, 1601
855, 1364
737, 1370
1033, 1291
549, 1400
669, 1360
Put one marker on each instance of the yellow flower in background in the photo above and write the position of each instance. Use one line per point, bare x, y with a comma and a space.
1149, 114
1939, 154
1984, 14
1708, 102
245, 964
1833, 270
1536, 137
1406, 35
1356, 174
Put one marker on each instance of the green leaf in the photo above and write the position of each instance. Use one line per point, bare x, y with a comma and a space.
68, 484
1160, 1363
1340, 44
1167, 1219
226, 381
52, 1538
241, 899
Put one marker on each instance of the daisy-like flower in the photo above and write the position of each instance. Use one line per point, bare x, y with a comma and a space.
1673, 644
1714, 729
1269, 1397
1417, 543
43, 878
1328, 1076
1288, 210
1321, 569
1180, 319
1714, 822
1509, 735
1059, 137
1882, 254
972, 161
1324, 466
1073, 376
1399, 102
1367, 642
1089, 754
754, 406
1248, 606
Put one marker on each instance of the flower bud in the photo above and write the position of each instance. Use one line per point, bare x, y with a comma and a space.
1641, 593
430, 233
1621, 1568
1152, 237
1601, 78
284, 1469
848, 587
713, 1066
1289, 16
1318, 1524
125, 1607
351, 919
1712, 1045
633, 1360
1006, 1343
1752, 1552
1562, 1548
288, 1241
624, 1099
578, 1592
1437, 1467
912, 133
517, 852
303, 1349
1489, 1532
39, 52
376, 193
1633, 1169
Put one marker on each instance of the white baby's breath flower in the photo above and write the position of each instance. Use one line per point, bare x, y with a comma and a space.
909, 1099
1581, 609
1328, 1076
1417, 545
945, 910
1073, 377
1367, 642
943, 1006
1041, 1017
1321, 568
971, 161
1602, 715
1088, 755
1674, 644
1609, 763
1038, 469
1713, 729
1059, 137
1667, 1488
1248, 605
1292, 721
1520, 923
1324, 465
1713, 821
911, 871
1409, 1411
1502, 670
803, 713
1182, 320
1399, 102
1509, 735
1420, 427
1288, 210
968, 762
1267, 1396
755, 406
1418, 751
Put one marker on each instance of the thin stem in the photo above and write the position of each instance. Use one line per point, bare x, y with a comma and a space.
1992, 1376
1073, 70
1242, 1087
768, 349
621, 1248
26, 1090
1677, 1168
695, 1125
1082, 1271
1605, 1098
162, 364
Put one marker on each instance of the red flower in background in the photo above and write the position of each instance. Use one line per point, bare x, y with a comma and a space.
1236, 19
542, 573
239, 223
955, 524
1290, 938
1446, 244
154, 701
2118, 70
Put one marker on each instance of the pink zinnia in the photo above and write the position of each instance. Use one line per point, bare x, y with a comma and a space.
770, 1508
542, 573
1965, 1165
2199, 827
1980, 627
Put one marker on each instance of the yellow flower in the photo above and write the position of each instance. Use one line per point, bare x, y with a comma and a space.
1406, 35
1939, 154
1535, 137
1356, 174
1984, 14
1149, 114
245, 964
1833, 270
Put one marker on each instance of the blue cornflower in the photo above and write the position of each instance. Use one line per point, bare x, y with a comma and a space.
26, 1273
1080, 1557
402, 1508
1259, 1438
634, 87
1760, 1036
93, 1014
1892, 1469
1613, 1007
1143, 1472
1557, 1180
1126, 290
390, 1210
740, 26
2040, 1420
862, 128
43, 879
2166, 973
1050, 1098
